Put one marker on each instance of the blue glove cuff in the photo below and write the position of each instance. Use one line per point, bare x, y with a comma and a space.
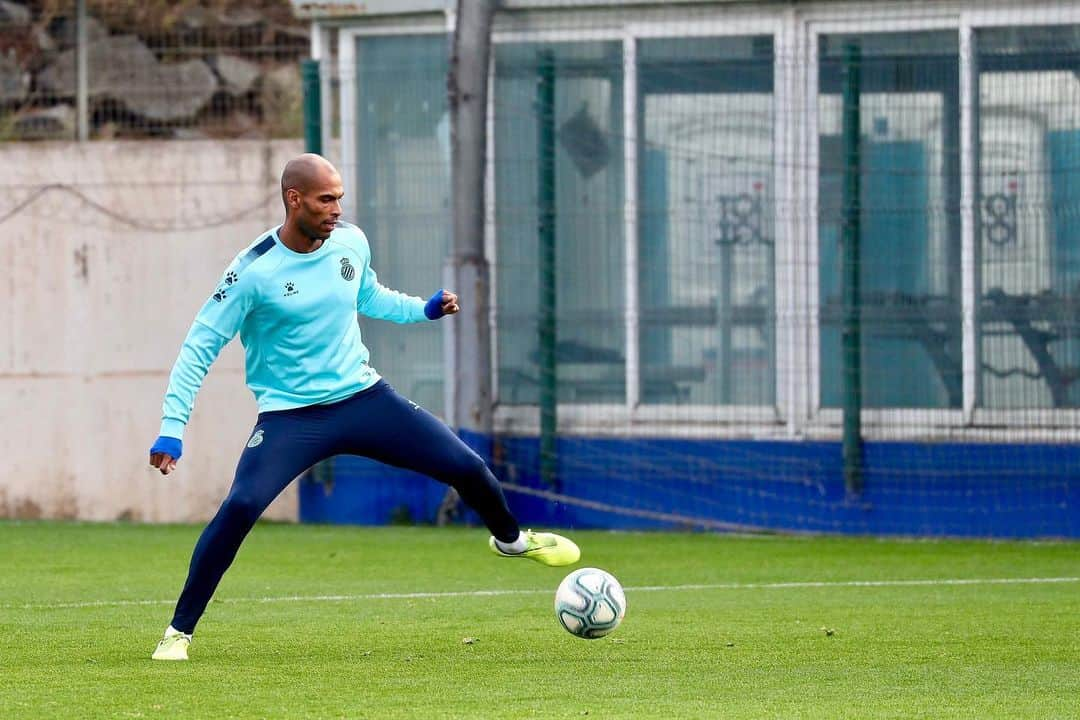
168, 445
433, 307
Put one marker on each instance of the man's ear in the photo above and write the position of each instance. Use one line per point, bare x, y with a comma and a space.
293, 197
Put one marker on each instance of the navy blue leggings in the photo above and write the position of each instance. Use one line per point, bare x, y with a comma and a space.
377, 423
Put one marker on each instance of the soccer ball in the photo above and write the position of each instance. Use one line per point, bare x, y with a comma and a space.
590, 603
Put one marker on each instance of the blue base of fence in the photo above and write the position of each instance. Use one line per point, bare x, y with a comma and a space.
912, 489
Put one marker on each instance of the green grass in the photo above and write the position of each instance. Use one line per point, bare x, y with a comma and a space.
743, 650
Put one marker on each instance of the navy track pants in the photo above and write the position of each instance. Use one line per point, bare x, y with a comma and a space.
377, 423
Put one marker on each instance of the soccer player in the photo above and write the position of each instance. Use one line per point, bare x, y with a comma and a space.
293, 296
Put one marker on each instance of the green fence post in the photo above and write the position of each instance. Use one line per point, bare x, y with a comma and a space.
852, 332
309, 74
545, 110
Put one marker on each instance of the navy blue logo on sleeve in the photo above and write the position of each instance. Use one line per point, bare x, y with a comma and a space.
290, 289
347, 271
229, 279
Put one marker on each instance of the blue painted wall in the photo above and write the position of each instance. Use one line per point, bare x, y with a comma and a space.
924, 489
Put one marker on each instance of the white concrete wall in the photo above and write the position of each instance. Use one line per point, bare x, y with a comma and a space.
93, 311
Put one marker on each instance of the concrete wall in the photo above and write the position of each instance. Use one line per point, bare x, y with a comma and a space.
109, 249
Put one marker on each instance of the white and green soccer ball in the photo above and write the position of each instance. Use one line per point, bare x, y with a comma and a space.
590, 603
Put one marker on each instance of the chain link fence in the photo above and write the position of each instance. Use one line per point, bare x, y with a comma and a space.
211, 69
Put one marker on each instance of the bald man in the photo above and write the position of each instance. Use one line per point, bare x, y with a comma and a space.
293, 295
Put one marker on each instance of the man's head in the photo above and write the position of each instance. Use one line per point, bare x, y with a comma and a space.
311, 190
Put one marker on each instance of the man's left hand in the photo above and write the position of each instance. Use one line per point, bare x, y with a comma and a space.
441, 303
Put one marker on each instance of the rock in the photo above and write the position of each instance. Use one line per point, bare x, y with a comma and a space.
14, 14
14, 80
112, 61
195, 17
187, 133
240, 125
182, 90
63, 31
43, 39
282, 101
52, 123
124, 69
294, 34
230, 124
237, 75
241, 17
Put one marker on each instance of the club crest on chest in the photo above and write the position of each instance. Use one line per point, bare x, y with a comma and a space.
348, 272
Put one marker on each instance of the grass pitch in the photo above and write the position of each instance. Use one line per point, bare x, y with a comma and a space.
329, 622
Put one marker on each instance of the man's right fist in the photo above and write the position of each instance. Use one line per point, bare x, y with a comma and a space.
165, 452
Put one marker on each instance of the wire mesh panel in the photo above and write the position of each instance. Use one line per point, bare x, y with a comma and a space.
756, 268
909, 262
585, 186
703, 215
706, 221
402, 193
1028, 227
152, 69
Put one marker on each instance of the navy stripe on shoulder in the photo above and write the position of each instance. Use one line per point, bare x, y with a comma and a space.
256, 252
260, 249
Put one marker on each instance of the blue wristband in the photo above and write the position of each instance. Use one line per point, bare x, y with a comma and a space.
171, 446
433, 307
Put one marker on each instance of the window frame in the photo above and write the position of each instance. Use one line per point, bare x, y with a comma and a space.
822, 418
631, 415
349, 163
1055, 421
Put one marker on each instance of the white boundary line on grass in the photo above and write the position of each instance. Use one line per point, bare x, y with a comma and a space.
942, 582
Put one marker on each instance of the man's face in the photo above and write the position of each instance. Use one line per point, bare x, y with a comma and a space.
318, 207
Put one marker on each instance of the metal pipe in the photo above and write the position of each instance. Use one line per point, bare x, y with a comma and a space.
852, 331
82, 92
545, 104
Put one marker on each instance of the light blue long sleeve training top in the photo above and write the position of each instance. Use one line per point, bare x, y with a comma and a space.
296, 315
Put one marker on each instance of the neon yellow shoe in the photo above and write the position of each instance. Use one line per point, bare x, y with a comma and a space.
172, 647
545, 548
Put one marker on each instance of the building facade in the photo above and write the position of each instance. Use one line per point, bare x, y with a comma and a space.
708, 208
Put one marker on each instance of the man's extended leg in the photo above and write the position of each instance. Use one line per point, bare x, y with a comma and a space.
384, 426
281, 447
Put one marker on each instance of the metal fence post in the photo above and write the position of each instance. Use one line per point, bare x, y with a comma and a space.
82, 92
309, 74
852, 332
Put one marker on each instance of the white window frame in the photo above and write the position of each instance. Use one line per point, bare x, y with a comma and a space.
322, 50
764, 418
1040, 423
631, 417
349, 166
875, 421
347, 94
490, 245
573, 418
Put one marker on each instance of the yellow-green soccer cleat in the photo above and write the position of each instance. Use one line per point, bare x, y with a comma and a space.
173, 647
546, 548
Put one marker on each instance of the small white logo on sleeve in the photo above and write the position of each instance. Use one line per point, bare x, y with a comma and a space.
256, 439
